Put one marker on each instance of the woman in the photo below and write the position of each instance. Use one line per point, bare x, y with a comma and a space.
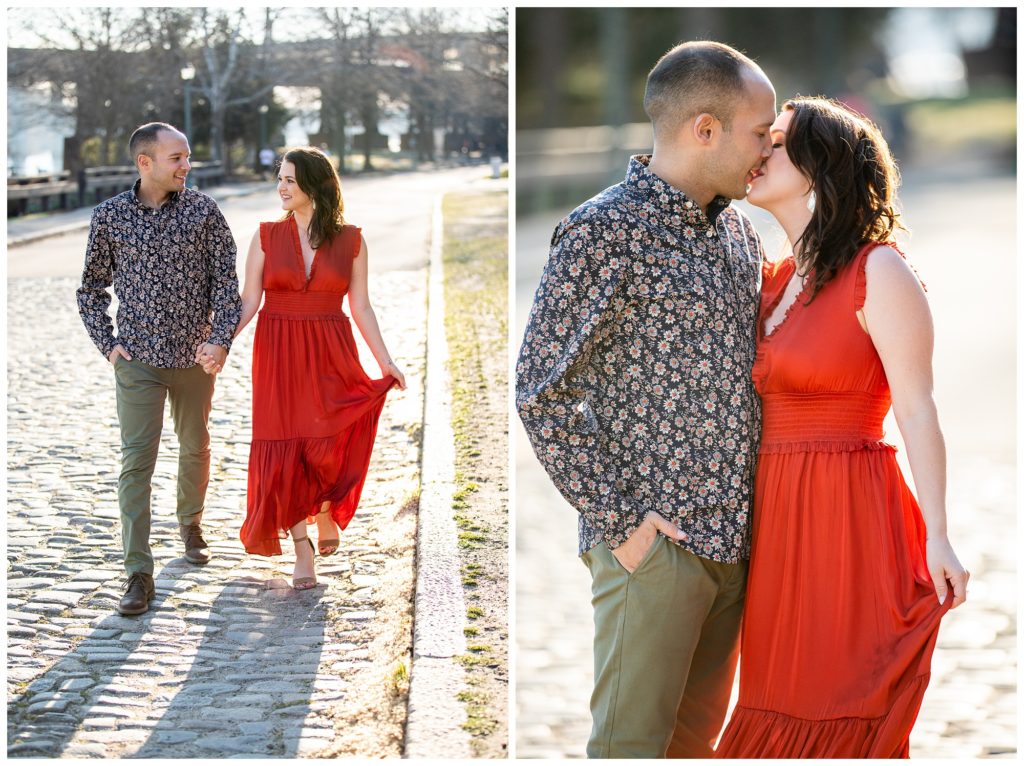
848, 575
315, 410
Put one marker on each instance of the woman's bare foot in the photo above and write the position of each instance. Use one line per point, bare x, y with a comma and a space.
304, 576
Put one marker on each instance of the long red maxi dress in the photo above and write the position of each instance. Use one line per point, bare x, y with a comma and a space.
314, 409
841, 616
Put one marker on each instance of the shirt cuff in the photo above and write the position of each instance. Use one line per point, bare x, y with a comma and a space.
625, 517
221, 340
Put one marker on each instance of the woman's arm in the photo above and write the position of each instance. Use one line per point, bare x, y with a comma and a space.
252, 296
899, 322
252, 293
365, 319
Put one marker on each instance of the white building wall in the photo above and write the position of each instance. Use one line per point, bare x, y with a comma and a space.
35, 132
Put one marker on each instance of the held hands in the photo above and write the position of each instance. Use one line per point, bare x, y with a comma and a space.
390, 368
211, 357
632, 552
943, 565
117, 351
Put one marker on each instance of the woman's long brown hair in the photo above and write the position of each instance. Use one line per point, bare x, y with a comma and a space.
319, 181
854, 178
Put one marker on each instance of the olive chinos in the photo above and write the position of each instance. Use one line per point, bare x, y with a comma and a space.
666, 644
141, 392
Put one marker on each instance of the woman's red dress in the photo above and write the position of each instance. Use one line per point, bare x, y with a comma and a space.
314, 409
841, 615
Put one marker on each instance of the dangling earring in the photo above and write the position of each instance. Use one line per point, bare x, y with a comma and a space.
812, 201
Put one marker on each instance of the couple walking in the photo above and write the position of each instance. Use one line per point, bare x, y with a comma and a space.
702, 407
170, 257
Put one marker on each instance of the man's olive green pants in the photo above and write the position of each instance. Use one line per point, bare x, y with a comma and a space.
141, 392
666, 643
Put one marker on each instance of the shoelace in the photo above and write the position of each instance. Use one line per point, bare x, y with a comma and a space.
131, 579
194, 539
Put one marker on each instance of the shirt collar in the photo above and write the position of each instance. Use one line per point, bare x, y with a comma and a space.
135, 195
670, 200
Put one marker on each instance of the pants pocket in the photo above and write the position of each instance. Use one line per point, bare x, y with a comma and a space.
651, 553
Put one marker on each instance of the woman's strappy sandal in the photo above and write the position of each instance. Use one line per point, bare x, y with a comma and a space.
327, 547
303, 583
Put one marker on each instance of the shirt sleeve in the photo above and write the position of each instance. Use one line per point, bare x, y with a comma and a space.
224, 297
97, 276
581, 291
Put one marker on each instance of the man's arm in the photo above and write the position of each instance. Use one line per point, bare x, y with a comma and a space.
224, 297
582, 288
97, 276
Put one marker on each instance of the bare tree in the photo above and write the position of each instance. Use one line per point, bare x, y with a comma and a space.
424, 30
220, 39
356, 75
337, 91
373, 76
101, 42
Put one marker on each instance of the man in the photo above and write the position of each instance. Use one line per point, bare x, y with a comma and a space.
266, 160
170, 257
633, 383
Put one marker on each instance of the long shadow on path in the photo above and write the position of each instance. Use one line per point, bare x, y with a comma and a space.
204, 673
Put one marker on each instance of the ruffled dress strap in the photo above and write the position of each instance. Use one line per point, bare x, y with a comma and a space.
775, 275
357, 241
860, 287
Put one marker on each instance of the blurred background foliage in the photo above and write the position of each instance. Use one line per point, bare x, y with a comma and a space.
368, 84
939, 81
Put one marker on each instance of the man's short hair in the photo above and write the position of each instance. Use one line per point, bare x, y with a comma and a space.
145, 137
692, 78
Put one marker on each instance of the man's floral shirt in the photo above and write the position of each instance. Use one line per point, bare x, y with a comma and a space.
173, 271
633, 381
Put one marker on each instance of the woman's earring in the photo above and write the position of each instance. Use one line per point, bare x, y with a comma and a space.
812, 201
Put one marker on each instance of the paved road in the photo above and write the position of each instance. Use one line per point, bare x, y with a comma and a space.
968, 264
393, 211
230, 661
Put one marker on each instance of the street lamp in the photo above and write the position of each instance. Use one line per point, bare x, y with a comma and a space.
188, 72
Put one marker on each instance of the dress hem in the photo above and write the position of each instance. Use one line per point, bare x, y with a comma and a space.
759, 733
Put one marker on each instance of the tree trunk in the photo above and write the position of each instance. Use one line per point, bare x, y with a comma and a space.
339, 144
369, 119
217, 117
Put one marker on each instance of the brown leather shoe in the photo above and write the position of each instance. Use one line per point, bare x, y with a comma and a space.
196, 549
138, 592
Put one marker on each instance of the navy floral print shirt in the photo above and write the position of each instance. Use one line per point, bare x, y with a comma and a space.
173, 271
633, 381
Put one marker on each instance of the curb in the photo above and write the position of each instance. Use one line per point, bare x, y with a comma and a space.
435, 715
57, 231
26, 239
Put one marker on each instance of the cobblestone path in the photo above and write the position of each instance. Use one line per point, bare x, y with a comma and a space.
229, 661
969, 710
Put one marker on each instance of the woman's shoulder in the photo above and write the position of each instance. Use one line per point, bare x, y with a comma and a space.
883, 257
883, 264
281, 225
352, 234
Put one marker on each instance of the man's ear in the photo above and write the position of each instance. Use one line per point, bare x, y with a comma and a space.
703, 127
143, 162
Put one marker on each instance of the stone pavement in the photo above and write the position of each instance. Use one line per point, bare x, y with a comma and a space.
970, 708
229, 661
